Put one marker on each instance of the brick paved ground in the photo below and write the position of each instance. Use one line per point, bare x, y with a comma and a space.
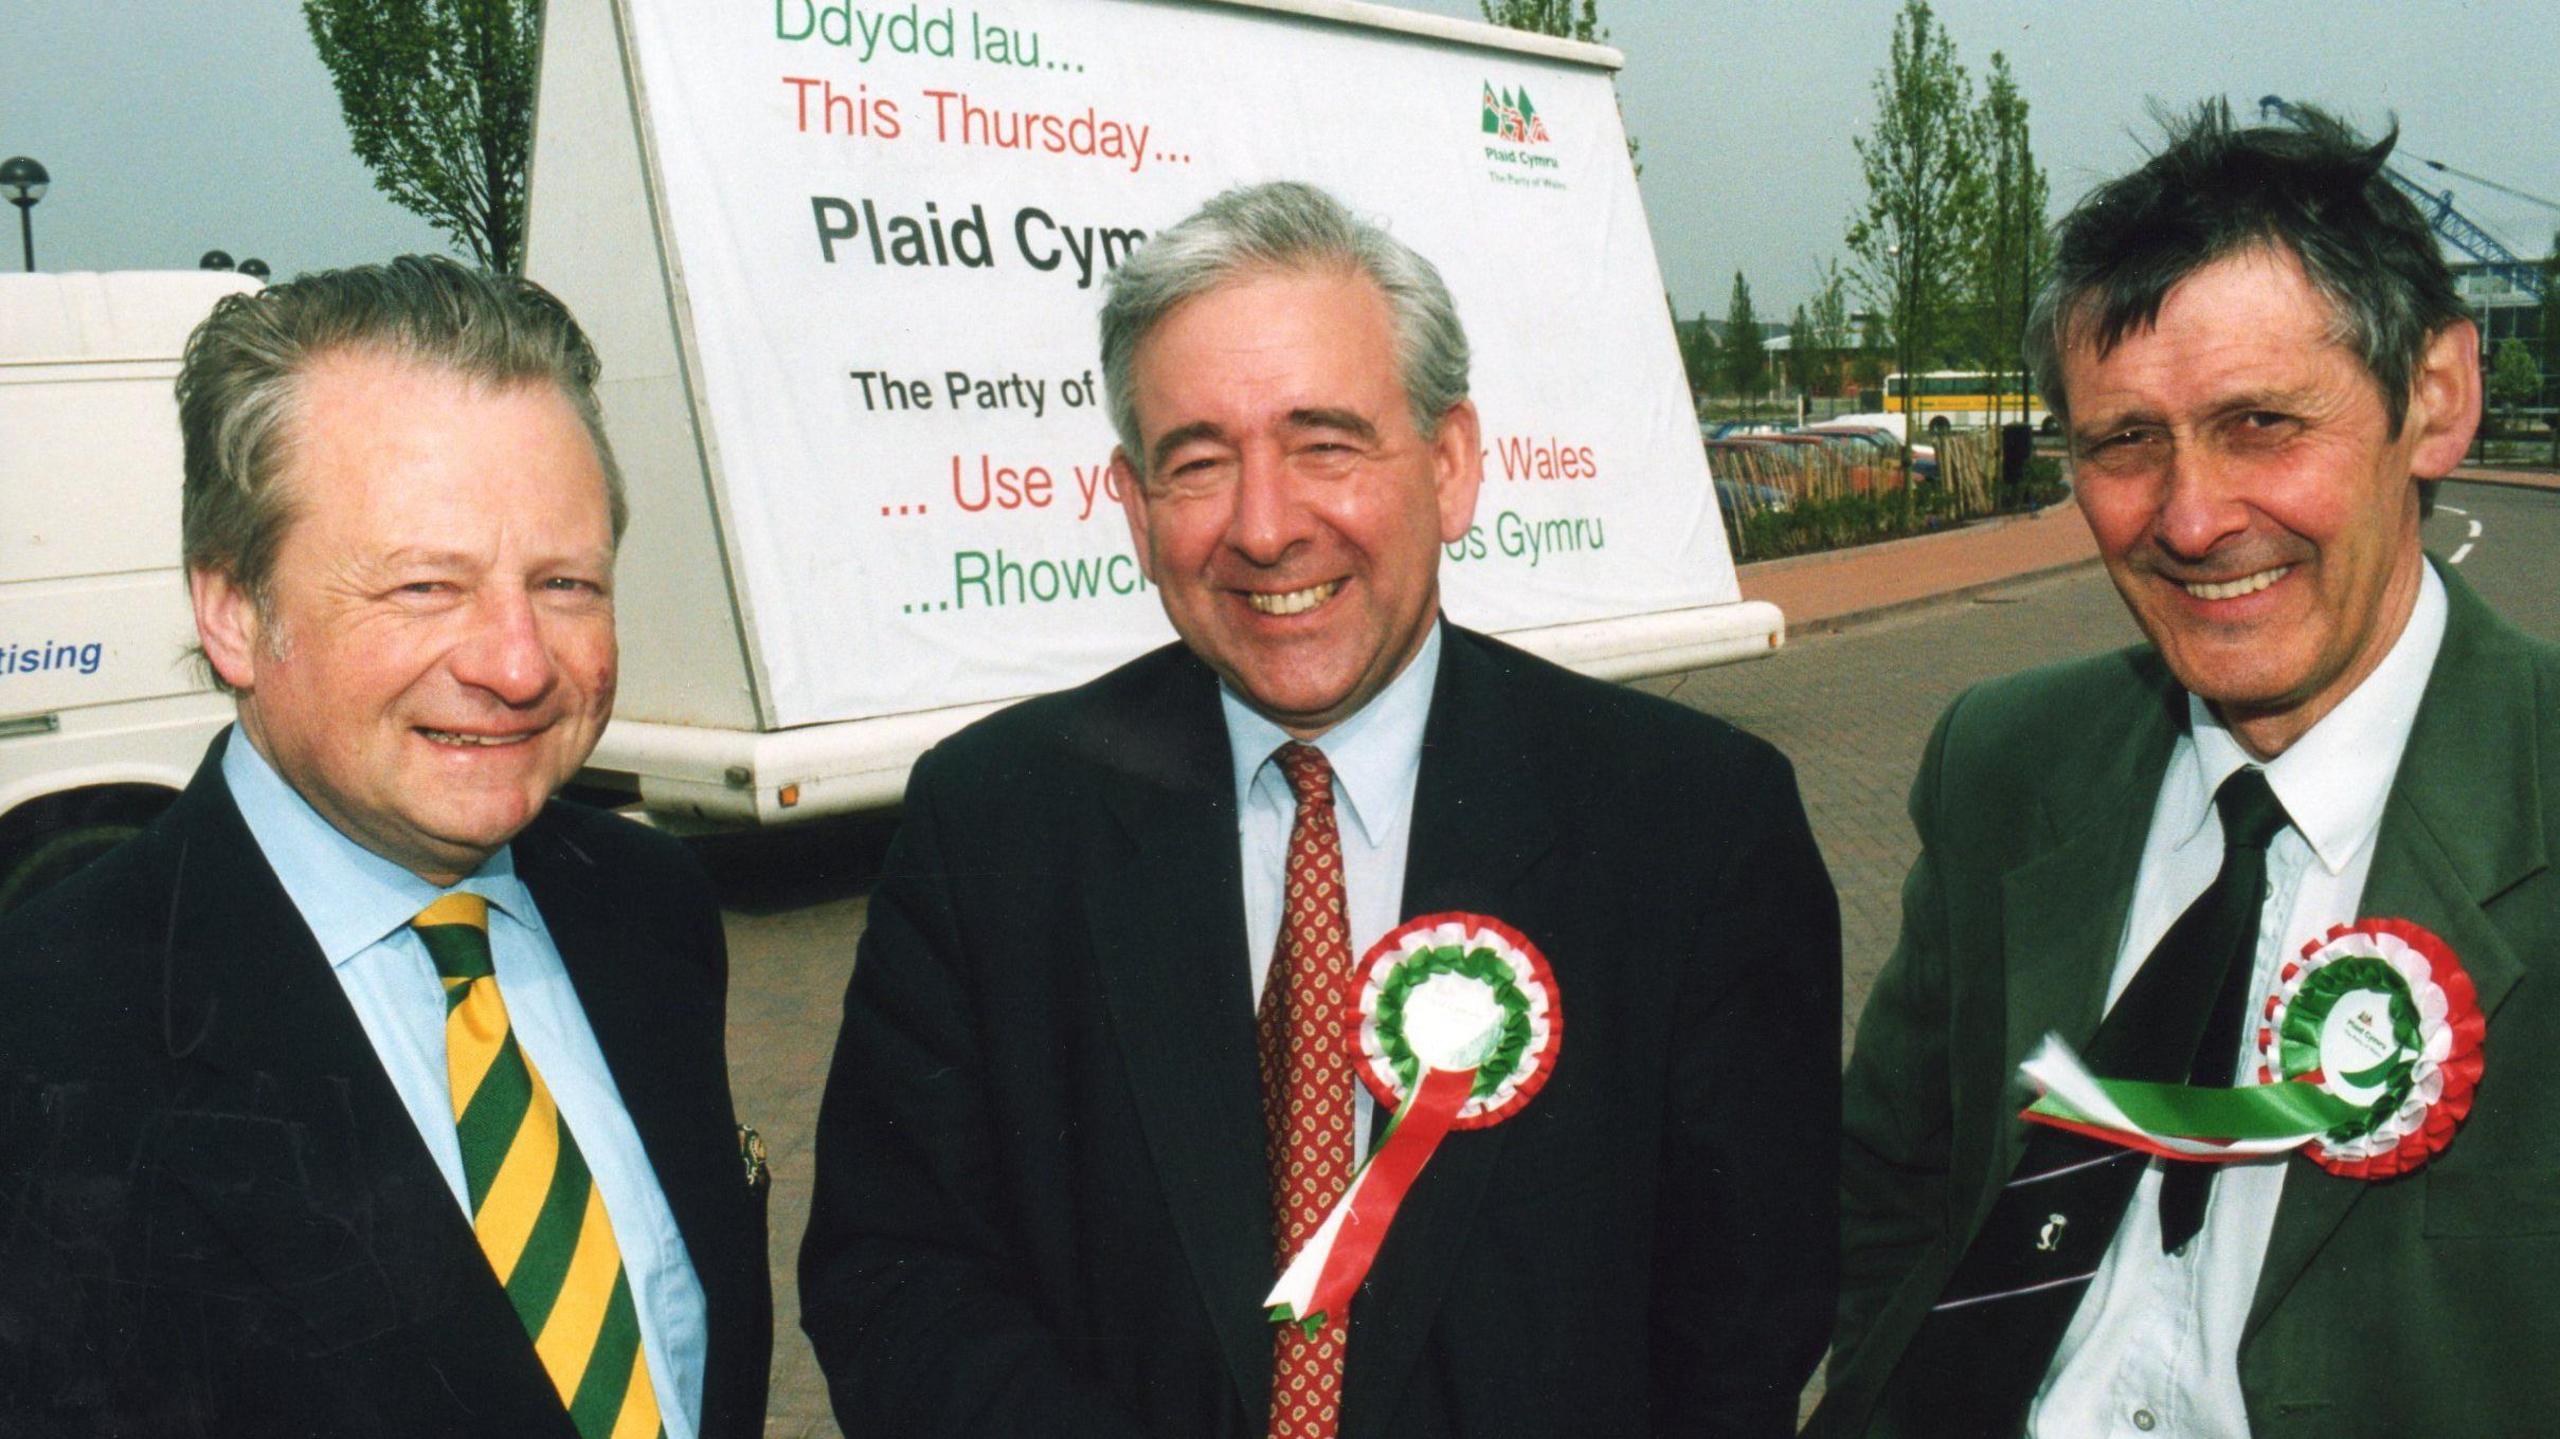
1853, 709
1821, 592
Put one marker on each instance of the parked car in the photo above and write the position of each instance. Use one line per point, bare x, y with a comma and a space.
1924, 458
1735, 498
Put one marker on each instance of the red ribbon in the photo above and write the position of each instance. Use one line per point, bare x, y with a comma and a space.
1380, 1188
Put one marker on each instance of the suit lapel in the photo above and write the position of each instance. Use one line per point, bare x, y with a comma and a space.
279, 1085
1481, 823
1168, 932
2063, 912
673, 1105
2463, 826
675, 1098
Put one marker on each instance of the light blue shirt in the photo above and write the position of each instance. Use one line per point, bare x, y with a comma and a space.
358, 906
1376, 756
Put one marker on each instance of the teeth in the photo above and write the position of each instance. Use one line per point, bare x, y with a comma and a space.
2234, 589
1294, 602
484, 740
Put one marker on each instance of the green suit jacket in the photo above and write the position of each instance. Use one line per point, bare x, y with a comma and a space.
2424, 1305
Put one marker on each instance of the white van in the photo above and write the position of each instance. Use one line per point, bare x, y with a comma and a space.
103, 714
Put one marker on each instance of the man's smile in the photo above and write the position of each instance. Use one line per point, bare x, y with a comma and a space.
463, 738
2234, 589
1292, 602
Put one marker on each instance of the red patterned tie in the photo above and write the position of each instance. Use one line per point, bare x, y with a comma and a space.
1306, 1086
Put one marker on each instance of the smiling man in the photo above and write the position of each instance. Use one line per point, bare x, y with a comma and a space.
1095, 1081
371, 1091
2258, 351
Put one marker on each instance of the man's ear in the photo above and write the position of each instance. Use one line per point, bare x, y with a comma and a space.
227, 625
1133, 508
2444, 401
1457, 469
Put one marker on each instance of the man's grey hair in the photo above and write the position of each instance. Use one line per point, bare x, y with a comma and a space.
2312, 188
1282, 227
240, 384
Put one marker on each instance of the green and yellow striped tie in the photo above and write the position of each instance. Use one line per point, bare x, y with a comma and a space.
538, 1213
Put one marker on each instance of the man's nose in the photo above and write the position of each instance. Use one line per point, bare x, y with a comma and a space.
506, 653
1270, 514
2201, 500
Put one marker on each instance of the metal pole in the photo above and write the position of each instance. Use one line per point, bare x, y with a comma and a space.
27, 232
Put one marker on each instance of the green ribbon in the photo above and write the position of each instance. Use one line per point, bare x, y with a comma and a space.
2187, 1111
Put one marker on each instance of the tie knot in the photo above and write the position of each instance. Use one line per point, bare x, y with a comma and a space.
1309, 773
2252, 816
455, 930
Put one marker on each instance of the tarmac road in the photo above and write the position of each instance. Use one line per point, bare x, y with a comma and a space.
1852, 709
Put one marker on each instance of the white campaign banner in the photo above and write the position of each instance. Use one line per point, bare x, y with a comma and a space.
891, 224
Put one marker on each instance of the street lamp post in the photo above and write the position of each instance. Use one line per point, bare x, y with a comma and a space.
23, 182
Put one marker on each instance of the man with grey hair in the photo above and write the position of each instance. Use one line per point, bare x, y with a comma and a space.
370, 1090
1095, 1080
2300, 834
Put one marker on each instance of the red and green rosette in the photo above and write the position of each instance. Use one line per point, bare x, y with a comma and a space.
1455, 1023
2368, 1054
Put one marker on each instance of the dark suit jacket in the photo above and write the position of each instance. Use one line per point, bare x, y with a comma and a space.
1042, 1206
2420, 1305
215, 1215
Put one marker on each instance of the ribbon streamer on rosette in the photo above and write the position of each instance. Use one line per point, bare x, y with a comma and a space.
2368, 1052
1456, 1023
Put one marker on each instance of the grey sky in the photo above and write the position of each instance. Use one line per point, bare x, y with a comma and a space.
169, 133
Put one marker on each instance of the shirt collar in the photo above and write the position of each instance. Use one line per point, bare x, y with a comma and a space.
2335, 780
1375, 753
351, 897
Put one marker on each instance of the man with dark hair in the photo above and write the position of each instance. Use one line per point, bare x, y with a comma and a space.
370, 1090
1095, 1080
2328, 750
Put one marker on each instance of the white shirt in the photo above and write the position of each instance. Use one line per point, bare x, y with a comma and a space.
2154, 1348
358, 906
1376, 756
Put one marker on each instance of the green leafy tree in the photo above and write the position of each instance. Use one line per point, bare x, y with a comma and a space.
1802, 364
1913, 242
1563, 19
438, 98
2551, 335
1867, 370
1825, 331
1698, 355
2514, 379
1746, 356
2013, 245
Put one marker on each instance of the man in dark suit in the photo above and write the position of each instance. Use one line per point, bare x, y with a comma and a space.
2255, 346
1086, 1061
371, 1091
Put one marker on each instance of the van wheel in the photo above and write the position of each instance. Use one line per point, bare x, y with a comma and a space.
56, 857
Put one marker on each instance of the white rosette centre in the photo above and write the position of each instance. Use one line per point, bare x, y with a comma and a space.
1452, 1021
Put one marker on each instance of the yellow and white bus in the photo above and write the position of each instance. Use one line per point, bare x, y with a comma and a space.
1962, 399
